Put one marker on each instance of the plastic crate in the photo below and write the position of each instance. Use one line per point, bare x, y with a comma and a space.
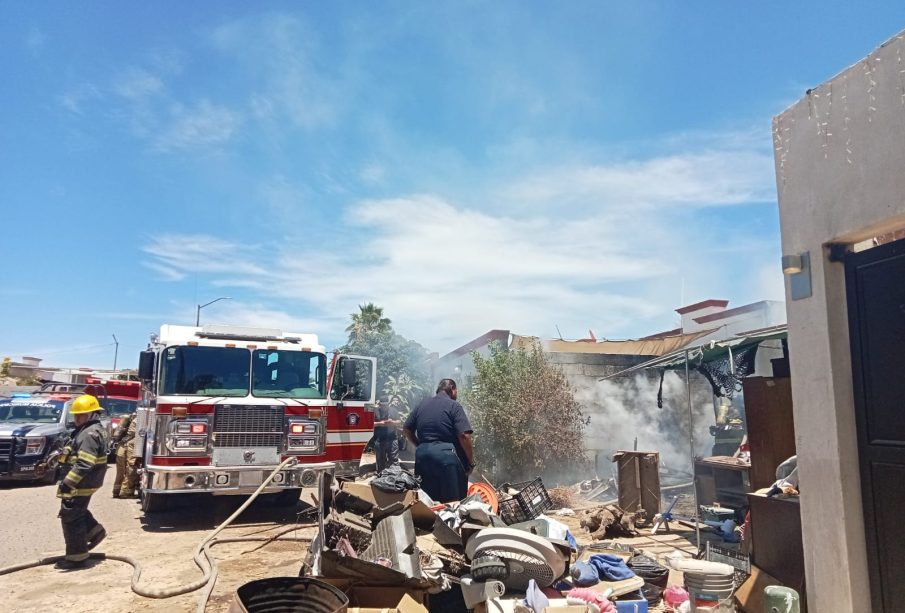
531, 500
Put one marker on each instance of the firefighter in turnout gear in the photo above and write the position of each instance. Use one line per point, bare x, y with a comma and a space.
85, 455
126, 462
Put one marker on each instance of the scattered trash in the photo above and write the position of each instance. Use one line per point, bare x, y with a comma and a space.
382, 539
395, 479
487, 494
607, 522
287, 595
674, 595
527, 501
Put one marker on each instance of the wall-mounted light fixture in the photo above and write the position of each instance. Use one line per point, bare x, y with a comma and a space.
798, 269
791, 264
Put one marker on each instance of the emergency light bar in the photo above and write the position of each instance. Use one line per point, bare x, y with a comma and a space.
245, 334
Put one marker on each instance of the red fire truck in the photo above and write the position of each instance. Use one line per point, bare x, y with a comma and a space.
119, 399
225, 405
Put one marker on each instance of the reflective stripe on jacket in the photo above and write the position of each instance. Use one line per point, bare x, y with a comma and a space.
87, 461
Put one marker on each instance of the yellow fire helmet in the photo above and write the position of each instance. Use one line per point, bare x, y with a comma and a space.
86, 403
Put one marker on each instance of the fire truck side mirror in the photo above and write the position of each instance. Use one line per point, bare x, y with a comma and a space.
146, 365
349, 373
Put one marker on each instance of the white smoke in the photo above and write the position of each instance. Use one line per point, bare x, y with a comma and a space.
621, 410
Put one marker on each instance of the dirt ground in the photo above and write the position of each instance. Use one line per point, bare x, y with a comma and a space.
163, 544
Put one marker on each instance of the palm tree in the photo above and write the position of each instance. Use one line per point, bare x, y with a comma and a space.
369, 320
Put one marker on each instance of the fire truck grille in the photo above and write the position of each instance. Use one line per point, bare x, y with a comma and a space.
247, 426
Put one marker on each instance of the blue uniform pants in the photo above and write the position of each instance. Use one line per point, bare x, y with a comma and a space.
442, 474
387, 452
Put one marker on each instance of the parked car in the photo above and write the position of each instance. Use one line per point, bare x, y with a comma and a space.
33, 430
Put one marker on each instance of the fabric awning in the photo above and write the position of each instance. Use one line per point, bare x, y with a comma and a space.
642, 347
706, 352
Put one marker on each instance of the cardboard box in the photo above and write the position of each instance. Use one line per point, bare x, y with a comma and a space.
560, 605
390, 503
750, 595
381, 599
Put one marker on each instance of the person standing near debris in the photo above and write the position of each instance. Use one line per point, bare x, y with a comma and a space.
125, 454
121, 436
86, 456
444, 456
386, 433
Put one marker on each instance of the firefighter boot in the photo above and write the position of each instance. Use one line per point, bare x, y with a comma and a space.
95, 536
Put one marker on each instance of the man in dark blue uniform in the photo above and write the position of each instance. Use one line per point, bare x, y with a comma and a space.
442, 433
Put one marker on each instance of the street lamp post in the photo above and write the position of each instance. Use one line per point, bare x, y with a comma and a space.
115, 351
201, 306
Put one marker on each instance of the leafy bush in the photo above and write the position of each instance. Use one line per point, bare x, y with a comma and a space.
526, 420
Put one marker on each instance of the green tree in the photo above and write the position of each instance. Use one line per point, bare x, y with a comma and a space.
526, 420
406, 388
368, 321
402, 364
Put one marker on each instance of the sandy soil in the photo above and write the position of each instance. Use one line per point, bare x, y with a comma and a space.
163, 544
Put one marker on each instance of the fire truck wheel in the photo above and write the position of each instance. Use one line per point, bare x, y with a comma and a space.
154, 503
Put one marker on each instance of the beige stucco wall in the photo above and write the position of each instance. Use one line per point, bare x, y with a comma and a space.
840, 172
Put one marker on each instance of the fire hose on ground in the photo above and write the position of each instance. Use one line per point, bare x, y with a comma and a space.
201, 556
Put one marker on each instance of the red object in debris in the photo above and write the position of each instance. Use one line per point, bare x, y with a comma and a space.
487, 494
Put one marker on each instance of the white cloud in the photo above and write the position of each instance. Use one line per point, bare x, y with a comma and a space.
282, 52
282, 196
697, 179
373, 173
606, 247
203, 125
176, 255
443, 273
258, 315
770, 283
137, 84
75, 99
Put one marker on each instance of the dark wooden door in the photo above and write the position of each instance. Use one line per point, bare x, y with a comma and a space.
875, 287
771, 429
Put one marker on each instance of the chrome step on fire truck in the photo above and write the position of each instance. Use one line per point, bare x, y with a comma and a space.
225, 405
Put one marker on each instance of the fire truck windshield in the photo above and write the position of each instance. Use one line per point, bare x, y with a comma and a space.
288, 374
205, 371
119, 406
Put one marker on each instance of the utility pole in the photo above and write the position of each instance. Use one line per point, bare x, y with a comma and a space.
115, 351
201, 306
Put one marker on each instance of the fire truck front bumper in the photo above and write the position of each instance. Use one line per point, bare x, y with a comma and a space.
158, 479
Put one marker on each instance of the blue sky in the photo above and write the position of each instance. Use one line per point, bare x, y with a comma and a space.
467, 165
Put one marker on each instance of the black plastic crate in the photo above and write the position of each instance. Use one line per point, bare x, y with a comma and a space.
531, 500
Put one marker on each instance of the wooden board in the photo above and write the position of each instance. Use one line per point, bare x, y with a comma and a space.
639, 481
771, 429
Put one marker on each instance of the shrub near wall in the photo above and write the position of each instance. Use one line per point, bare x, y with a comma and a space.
526, 420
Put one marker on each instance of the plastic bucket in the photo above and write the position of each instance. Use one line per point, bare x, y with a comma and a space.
288, 595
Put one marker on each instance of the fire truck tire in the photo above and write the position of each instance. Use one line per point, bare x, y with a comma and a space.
154, 503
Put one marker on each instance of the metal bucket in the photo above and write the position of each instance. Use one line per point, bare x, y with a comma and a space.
288, 595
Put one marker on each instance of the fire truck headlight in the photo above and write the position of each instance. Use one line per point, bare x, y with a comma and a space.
187, 436
303, 436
